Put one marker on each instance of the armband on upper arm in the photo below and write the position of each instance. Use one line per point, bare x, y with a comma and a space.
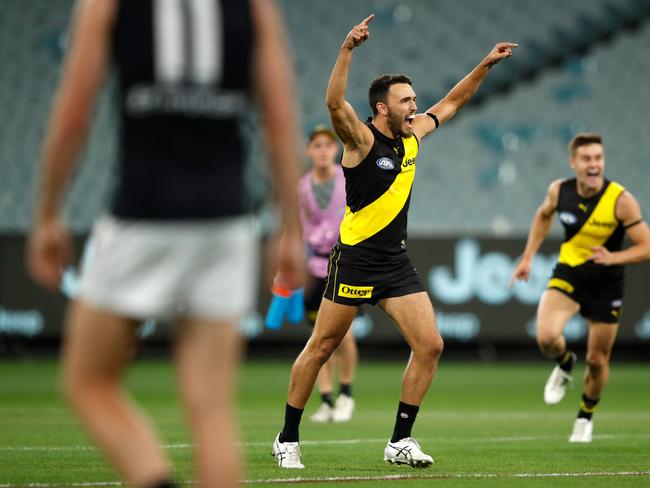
435, 119
632, 224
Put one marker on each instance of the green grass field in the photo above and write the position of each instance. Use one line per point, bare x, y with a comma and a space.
484, 424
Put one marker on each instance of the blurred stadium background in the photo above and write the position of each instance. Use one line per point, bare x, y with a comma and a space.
582, 65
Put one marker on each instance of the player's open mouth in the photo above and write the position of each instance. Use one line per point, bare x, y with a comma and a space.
409, 120
593, 175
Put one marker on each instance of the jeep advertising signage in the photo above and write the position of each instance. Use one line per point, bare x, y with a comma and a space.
467, 279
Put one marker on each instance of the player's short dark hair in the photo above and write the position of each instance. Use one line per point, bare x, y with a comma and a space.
380, 86
583, 139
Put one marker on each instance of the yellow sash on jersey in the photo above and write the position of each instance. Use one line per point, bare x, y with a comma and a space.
600, 225
366, 222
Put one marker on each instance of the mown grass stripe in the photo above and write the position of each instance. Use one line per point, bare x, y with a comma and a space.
527, 438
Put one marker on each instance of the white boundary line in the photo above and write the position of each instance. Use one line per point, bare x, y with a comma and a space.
522, 438
339, 479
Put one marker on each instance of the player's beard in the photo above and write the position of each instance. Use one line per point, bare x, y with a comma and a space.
396, 124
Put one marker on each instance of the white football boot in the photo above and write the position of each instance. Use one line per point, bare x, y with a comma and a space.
324, 414
582, 429
407, 451
287, 454
556, 384
343, 409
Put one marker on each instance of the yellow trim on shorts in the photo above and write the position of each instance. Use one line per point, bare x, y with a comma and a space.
329, 269
560, 284
335, 275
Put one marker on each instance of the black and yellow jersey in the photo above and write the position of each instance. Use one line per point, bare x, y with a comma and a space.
378, 193
589, 222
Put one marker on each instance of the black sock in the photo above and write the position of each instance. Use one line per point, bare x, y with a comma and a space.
326, 398
587, 407
164, 484
404, 421
292, 418
345, 389
566, 360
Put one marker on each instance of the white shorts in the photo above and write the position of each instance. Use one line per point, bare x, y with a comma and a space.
163, 270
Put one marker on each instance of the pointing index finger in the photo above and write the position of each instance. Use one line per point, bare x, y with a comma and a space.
367, 20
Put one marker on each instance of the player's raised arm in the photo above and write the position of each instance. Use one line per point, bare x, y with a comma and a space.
461, 93
354, 135
539, 229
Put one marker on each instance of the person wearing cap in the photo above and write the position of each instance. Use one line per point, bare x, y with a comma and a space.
321, 197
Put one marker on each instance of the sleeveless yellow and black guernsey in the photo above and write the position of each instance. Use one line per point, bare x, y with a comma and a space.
589, 222
378, 193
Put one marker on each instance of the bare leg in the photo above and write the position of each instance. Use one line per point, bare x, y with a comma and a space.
332, 323
413, 315
346, 356
326, 377
97, 348
208, 353
599, 350
554, 311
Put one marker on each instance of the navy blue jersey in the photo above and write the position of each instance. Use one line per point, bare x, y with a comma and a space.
184, 71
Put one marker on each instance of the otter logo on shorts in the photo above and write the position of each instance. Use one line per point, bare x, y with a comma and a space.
349, 291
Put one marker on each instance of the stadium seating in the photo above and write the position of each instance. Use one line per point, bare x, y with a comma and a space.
582, 65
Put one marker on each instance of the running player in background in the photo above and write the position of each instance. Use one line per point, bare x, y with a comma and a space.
370, 263
321, 196
596, 215
178, 237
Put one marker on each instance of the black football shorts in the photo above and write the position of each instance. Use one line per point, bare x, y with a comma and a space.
364, 276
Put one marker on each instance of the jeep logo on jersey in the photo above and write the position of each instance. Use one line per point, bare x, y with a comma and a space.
568, 218
599, 223
385, 163
408, 162
349, 291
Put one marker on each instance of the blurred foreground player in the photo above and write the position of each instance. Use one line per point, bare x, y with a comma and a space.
370, 263
177, 236
596, 215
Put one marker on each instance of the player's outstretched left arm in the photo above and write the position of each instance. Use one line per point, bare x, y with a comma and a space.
628, 213
273, 77
462, 92
49, 248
